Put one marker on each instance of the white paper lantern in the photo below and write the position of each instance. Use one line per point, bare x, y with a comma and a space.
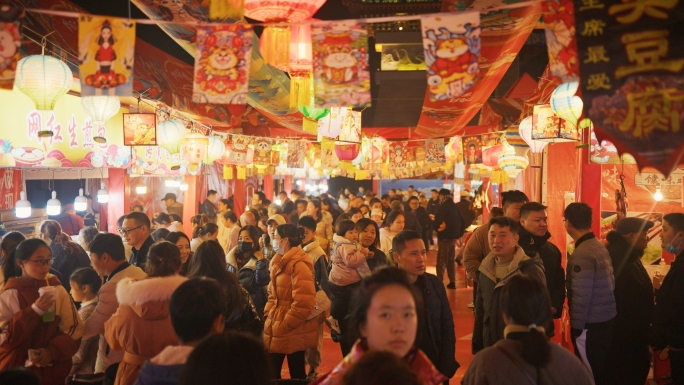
170, 135
101, 108
44, 79
215, 150
525, 129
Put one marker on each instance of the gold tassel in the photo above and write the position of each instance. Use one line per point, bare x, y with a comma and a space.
310, 126
227, 172
241, 172
226, 9
300, 89
275, 46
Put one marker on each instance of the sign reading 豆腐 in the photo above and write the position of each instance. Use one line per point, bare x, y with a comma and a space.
632, 75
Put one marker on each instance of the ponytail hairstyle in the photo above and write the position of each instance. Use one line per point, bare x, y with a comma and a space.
53, 230
526, 301
9, 243
292, 233
163, 260
23, 252
209, 228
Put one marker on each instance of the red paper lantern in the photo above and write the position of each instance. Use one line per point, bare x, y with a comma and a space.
490, 156
348, 151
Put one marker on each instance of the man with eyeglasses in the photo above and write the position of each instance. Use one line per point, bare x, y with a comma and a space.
136, 232
108, 258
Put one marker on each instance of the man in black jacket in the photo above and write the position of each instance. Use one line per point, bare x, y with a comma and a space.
450, 227
534, 238
207, 207
135, 230
423, 218
667, 328
286, 203
628, 358
435, 336
464, 207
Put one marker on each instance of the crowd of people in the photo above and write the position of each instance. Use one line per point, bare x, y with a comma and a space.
232, 301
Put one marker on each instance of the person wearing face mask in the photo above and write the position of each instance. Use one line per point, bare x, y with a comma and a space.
667, 327
248, 263
288, 331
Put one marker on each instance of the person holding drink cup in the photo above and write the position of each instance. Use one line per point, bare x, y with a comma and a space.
39, 324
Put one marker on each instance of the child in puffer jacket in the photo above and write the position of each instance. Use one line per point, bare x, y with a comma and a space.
349, 266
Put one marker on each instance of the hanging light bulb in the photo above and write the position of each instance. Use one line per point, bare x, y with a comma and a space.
102, 194
54, 206
658, 196
141, 188
80, 203
169, 183
183, 186
22, 209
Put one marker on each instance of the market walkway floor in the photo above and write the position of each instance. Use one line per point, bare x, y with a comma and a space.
463, 320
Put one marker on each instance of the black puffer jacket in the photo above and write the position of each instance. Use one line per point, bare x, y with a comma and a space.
66, 262
553, 268
633, 293
451, 216
254, 277
668, 315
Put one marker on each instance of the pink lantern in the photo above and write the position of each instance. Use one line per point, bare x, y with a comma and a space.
490, 156
347, 152
281, 10
300, 48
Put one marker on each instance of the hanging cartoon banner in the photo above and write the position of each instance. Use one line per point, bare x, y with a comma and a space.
472, 149
222, 64
421, 154
544, 122
398, 154
10, 42
296, 154
329, 159
239, 151
106, 49
340, 61
435, 151
452, 48
11, 186
262, 151
632, 65
559, 26
351, 129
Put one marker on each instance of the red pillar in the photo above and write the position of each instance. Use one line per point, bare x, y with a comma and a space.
376, 186
190, 202
287, 184
588, 192
239, 198
119, 197
268, 187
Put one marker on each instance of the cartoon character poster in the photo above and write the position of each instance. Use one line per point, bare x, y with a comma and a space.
472, 149
351, 129
329, 159
340, 61
222, 64
262, 151
10, 42
421, 153
296, 154
239, 151
435, 151
452, 48
398, 154
106, 49
140, 129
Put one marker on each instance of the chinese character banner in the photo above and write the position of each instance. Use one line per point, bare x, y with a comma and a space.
106, 49
632, 66
222, 64
340, 56
452, 48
